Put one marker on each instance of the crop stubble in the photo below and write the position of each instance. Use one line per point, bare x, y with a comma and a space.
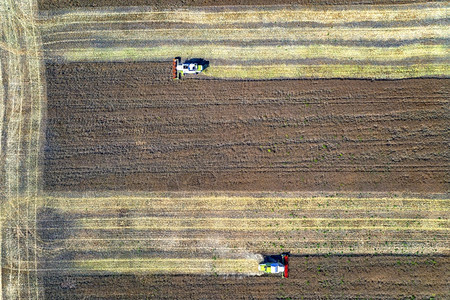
260, 42
141, 227
128, 126
96, 238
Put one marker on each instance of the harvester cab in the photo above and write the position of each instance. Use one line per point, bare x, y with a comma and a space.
276, 264
190, 66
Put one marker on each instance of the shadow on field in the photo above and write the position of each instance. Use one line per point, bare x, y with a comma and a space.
54, 227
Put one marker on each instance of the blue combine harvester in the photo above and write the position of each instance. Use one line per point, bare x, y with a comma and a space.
276, 264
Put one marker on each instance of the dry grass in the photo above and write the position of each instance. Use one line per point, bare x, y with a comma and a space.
219, 266
361, 68
236, 225
242, 54
328, 71
327, 16
280, 34
22, 99
261, 224
236, 203
336, 26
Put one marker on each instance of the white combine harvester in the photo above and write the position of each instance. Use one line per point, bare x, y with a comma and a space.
190, 66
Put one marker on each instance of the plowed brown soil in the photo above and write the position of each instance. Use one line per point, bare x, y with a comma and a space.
59, 4
313, 277
128, 126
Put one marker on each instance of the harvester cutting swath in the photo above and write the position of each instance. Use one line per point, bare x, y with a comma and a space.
190, 66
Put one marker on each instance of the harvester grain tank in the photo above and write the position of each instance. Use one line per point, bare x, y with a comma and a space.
190, 66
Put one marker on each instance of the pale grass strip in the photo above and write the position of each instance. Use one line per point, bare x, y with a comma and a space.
21, 95
363, 241
361, 246
185, 244
39, 99
269, 53
15, 84
33, 153
102, 204
173, 266
2, 114
325, 16
30, 188
85, 241
425, 225
272, 71
18, 158
16, 32
9, 197
2, 206
12, 145
246, 34
164, 265
261, 224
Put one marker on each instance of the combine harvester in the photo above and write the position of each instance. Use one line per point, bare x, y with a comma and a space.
190, 66
276, 264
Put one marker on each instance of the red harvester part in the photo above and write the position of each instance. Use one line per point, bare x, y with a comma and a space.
174, 69
286, 266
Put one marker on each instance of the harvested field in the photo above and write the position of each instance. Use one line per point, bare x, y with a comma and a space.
312, 277
128, 126
126, 184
